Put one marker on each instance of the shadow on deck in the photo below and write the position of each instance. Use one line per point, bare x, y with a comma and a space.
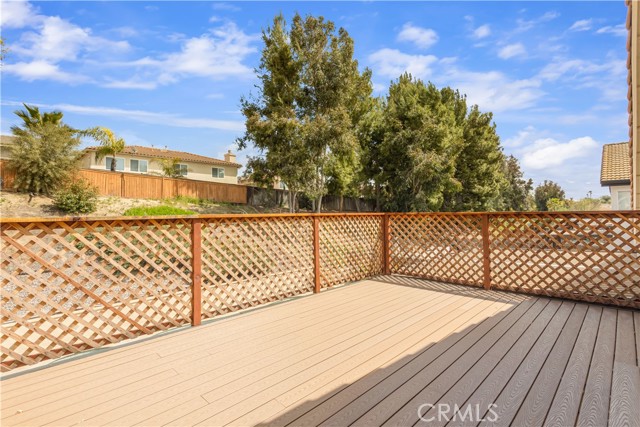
391, 350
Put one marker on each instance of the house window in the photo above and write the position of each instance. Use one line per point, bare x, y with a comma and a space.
181, 169
624, 200
217, 172
139, 165
119, 163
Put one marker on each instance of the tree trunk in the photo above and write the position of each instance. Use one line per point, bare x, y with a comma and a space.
319, 204
341, 209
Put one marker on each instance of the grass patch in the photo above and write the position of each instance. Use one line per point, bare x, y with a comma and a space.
157, 210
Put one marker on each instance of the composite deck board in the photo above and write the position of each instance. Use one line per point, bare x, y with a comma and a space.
371, 352
317, 408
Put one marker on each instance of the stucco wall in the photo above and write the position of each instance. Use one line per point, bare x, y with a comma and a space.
197, 171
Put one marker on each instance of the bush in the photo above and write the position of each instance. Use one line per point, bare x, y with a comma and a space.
156, 210
77, 197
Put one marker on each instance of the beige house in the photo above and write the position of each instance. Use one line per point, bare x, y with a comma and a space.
616, 174
146, 160
6, 142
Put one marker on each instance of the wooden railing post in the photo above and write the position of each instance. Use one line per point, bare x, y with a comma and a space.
316, 254
486, 251
386, 243
196, 271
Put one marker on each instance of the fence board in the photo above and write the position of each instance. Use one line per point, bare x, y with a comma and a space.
68, 287
72, 284
137, 186
437, 247
351, 248
252, 261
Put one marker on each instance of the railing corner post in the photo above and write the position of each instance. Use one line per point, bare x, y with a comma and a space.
196, 271
386, 244
316, 254
486, 252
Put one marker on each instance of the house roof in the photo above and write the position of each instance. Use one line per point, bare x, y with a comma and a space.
160, 153
616, 168
7, 140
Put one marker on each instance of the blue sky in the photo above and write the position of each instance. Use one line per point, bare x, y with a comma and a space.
172, 73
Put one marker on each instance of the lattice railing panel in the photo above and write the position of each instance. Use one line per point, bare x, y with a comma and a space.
252, 261
350, 248
446, 247
588, 257
71, 286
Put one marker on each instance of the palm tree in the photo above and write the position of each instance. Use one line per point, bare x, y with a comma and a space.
110, 145
32, 117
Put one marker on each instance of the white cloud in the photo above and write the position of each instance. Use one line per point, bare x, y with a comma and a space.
494, 91
165, 119
59, 40
17, 14
130, 84
379, 87
225, 6
482, 31
512, 50
548, 153
218, 54
491, 90
523, 137
619, 30
392, 63
581, 25
423, 38
608, 77
42, 70
526, 25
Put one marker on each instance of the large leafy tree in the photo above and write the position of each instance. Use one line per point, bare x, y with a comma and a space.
479, 166
516, 190
412, 154
45, 153
311, 96
546, 191
110, 144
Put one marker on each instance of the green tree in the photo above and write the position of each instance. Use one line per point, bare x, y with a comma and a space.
516, 190
479, 166
545, 191
311, 96
110, 145
412, 154
170, 167
45, 153
3, 50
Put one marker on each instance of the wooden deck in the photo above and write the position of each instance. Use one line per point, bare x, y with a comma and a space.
371, 353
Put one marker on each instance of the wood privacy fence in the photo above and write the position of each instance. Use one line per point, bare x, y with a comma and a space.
137, 186
72, 284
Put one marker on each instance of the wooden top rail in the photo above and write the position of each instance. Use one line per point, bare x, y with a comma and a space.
170, 217
309, 215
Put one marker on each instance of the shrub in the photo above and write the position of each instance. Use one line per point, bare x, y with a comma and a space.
156, 210
77, 197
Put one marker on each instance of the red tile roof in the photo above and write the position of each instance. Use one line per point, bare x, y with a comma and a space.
160, 153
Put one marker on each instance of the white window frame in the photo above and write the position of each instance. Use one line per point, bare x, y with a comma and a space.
218, 173
180, 166
627, 199
140, 161
107, 166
